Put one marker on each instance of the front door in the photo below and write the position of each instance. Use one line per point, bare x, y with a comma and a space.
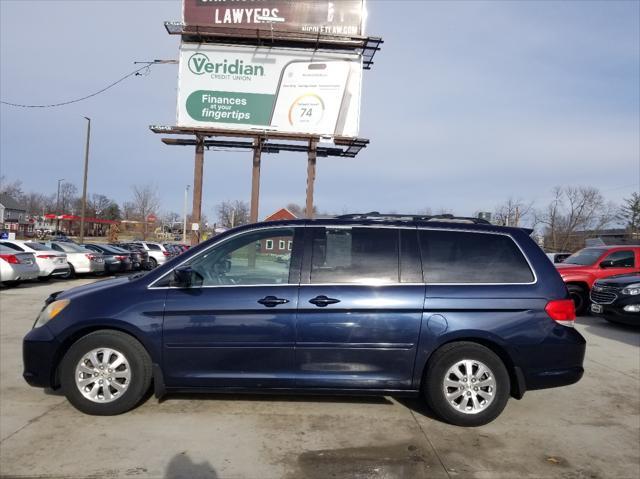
360, 309
236, 328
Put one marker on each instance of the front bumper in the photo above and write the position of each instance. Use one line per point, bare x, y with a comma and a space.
616, 313
39, 348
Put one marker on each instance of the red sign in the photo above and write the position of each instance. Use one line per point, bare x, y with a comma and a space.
152, 218
342, 17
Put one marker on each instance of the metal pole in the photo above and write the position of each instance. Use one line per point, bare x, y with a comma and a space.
184, 223
58, 207
84, 185
197, 188
255, 180
311, 176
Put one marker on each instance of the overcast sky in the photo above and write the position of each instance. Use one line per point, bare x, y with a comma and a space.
468, 103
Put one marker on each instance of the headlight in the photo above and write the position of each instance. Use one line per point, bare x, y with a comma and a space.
51, 311
632, 289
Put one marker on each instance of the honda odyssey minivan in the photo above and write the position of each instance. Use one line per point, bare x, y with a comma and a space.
454, 310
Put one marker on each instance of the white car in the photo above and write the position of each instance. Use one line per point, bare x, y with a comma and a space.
158, 254
558, 257
16, 266
50, 262
81, 260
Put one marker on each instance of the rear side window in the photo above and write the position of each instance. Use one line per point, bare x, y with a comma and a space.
153, 247
12, 246
467, 257
355, 255
621, 259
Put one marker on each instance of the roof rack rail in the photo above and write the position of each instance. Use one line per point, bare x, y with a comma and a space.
375, 215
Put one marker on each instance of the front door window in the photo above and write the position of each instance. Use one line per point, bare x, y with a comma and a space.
248, 259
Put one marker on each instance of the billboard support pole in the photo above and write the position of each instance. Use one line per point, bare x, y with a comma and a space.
197, 188
255, 180
311, 176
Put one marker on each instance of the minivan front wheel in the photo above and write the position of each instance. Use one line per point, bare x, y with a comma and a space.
105, 373
466, 384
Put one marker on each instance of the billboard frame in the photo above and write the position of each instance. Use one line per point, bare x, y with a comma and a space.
366, 46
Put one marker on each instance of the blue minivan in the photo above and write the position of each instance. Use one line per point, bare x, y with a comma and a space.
457, 311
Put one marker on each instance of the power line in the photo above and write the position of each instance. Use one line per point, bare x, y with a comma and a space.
145, 68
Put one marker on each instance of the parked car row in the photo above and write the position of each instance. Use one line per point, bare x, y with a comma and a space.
605, 281
27, 260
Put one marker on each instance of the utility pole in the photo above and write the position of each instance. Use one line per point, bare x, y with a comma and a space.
198, 168
184, 223
84, 185
58, 207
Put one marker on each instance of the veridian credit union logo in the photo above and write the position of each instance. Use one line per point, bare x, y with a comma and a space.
199, 64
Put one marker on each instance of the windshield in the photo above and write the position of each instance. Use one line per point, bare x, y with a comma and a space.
37, 246
585, 257
73, 248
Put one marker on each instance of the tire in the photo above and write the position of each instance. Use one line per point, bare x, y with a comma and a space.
456, 357
112, 401
580, 298
153, 263
71, 274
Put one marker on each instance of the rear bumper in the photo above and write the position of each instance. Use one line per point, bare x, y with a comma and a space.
59, 271
557, 361
39, 348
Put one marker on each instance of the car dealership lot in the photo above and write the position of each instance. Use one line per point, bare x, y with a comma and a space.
588, 430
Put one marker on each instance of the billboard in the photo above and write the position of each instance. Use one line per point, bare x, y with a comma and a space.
337, 17
269, 89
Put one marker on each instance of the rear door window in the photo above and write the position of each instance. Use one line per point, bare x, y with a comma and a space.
355, 255
621, 259
463, 257
12, 246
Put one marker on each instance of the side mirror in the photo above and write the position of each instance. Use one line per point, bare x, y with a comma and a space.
186, 277
607, 263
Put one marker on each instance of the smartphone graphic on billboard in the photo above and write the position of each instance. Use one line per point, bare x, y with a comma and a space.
310, 96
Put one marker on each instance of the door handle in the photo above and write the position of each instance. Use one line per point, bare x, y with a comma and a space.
322, 301
272, 301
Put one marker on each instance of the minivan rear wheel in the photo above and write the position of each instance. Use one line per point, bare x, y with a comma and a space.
466, 384
105, 373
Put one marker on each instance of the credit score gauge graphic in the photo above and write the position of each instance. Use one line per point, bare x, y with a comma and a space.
269, 89
310, 96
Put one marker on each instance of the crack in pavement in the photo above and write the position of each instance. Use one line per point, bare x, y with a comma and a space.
32, 421
444, 468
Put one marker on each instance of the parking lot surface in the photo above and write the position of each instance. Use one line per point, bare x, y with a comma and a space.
588, 430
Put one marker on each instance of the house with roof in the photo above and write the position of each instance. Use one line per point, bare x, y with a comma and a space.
278, 245
13, 216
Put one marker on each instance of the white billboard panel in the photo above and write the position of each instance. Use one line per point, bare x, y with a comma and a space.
272, 89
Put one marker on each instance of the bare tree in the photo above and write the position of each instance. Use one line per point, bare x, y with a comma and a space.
513, 212
232, 213
68, 197
145, 202
575, 214
630, 213
11, 188
300, 211
98, 205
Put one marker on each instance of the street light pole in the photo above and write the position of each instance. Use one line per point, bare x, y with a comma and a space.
58, 207
84, 185
184, 219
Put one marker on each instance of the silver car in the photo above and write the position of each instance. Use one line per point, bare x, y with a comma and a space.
16, 266
81, 260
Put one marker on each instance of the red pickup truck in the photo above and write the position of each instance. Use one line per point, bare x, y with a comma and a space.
581, 269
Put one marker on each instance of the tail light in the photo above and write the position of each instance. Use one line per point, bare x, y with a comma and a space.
121, 258
563, 311
46, 256
91, 257
10, 258
166, 253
